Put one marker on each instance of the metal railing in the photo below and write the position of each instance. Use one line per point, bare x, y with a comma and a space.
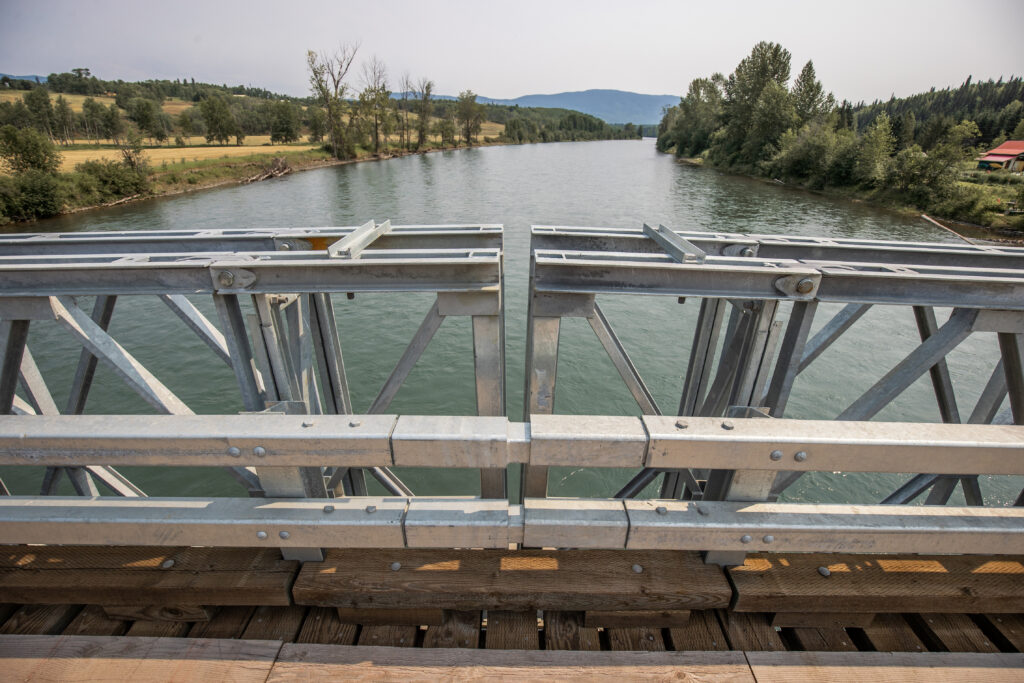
723, 458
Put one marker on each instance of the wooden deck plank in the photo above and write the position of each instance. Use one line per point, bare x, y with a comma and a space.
40, 619
952, 633
823, 639
145, 576
702, 632
822, 619
871, 667
94, 658
751, 632
892, 633
93, 621
458, 629
325, 663
512, 580
385, 617
389, 636
160, 612
1011, 626
636, 639
275, 623
229, 622
865, 583
158, 629
322, 625
567, 631
512, 630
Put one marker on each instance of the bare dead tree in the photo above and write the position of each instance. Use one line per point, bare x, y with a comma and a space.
327, 74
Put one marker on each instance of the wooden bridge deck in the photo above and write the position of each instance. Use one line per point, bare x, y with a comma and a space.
188, 613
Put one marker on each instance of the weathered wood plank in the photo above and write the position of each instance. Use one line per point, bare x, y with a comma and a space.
822, 619
326, 663
951, 633
322, 625
566, 631
275, 623
145, 576
158, 629
892, 633
640, 618
512, 630
40, 619
458, 629
512, 580
1011, 626
926, 667
866, 583
229, 622
636, 639
823, 639
93, 621
396, 617
160, 612
751, 632
87, 658
389, 636
702, 632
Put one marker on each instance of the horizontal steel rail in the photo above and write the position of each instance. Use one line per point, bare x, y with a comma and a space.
459, 522
494, 442
483, 236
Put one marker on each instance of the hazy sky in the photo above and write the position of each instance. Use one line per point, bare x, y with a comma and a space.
862, 49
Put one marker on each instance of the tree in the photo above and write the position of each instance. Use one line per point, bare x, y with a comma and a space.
767, 63
404, 134
64, 120
375, 99
27, 149
424, 109
38, 102
92, 116
470, 115
284, 125
327, 74
873, 152
809, 98
772, 116
220, 122
317, 123
186, 124
113, 126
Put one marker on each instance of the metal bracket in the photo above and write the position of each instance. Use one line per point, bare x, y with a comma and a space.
351, 245
676, 246
227, 279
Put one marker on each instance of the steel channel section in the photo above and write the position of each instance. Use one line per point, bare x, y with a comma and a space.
454, 522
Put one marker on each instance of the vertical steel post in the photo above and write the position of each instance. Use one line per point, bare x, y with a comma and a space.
13, 336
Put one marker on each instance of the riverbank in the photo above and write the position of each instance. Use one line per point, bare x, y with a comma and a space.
1001, 228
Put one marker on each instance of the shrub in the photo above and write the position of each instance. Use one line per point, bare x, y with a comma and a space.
109, 179
39, 195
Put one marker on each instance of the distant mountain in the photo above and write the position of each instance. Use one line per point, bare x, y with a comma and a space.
613, 106
33, 78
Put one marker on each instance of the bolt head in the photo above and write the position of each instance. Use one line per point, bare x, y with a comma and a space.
328, 508
702, 511
371, 508
234, 451
284, 534
748, 252
261, 535
824, 571
354, 423
259, 451
746, 538
226, 278
661, 510
768, 539
167, 564
284, 246
728, 425
800, 456
681, 424
395, 566
775, 455
307, 424
805, 286
637, 569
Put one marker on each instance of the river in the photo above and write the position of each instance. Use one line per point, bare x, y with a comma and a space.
613, 183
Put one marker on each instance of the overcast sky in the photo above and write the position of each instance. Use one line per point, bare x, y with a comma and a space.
862, 49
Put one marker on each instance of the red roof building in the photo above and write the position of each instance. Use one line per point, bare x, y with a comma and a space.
1009, 155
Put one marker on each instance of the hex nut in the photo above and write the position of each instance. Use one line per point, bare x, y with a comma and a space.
226, 278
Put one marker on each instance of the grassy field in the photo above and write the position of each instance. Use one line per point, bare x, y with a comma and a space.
159, 155
172, 105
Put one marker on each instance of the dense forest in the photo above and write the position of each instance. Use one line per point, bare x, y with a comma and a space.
912, 151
